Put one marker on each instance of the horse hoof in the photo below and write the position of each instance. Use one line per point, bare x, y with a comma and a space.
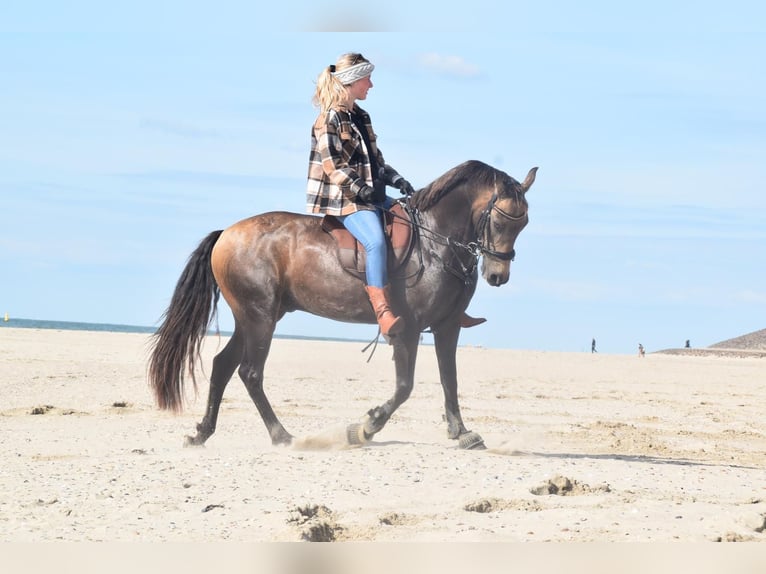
192, 441
471, 441
355, 435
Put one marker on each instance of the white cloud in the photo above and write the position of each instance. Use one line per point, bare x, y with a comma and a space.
450, 65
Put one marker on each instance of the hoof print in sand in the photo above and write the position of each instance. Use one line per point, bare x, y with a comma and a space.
210, 507
46, 409
485, 505
563, 486
316, 522
735, 537
396, 519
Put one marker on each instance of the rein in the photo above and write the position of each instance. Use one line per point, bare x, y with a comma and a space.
482, 246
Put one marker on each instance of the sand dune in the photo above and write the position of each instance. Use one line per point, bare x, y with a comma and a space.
755, 341
749, 345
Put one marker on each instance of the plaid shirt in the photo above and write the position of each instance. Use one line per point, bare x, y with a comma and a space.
339, 163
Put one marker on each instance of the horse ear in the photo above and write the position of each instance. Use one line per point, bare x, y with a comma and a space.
530, 179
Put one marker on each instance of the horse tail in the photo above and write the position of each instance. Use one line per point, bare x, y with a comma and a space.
177, 343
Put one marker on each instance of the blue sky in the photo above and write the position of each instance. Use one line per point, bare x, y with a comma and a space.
127, 134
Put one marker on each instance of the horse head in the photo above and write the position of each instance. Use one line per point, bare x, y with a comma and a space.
499, 224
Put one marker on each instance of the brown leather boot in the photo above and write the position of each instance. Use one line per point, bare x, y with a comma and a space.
467, 321
389, 323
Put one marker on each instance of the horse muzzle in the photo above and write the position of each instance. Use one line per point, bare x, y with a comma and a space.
495, 274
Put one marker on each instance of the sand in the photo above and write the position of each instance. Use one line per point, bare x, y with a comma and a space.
581, 447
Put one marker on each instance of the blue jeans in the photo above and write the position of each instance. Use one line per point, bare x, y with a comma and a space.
367, 227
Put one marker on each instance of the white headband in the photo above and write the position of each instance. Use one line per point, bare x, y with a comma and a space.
354, 73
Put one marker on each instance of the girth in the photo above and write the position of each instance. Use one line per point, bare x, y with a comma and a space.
351, 253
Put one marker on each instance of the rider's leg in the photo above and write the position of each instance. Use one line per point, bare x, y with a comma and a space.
367, 227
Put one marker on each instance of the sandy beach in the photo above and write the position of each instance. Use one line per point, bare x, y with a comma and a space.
581, 447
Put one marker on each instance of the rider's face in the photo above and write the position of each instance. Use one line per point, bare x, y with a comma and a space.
358, 90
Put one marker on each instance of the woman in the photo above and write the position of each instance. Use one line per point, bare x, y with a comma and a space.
347, 174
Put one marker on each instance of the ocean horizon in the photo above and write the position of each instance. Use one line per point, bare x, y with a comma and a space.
118, 328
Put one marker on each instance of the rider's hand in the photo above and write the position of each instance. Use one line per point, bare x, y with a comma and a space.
403, 186
375, 194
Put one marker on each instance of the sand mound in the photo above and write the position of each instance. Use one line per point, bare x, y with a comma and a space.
749, 345
755, 341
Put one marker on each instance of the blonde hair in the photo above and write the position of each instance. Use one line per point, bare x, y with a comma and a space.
330, 92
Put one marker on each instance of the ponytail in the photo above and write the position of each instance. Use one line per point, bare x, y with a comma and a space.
329, 93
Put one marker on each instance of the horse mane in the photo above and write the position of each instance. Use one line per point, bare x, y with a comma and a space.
475, 171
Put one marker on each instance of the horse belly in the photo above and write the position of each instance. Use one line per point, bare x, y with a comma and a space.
318, 285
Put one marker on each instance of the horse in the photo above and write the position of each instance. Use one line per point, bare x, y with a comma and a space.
279, 262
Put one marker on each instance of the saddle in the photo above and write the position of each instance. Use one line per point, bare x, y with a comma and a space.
399, 237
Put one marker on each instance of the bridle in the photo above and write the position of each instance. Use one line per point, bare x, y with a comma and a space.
483, 244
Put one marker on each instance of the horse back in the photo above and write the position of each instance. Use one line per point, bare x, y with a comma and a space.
268, 237
280, 259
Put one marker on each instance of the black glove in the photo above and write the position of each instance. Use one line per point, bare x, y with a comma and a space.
403, 186
375, 194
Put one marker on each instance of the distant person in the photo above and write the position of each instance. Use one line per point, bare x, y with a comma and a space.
687, 345
593, 346
640, 350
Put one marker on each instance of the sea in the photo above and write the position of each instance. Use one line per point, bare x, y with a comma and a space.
73, 326
116, 328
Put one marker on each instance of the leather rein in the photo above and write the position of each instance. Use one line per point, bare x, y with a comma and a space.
482, 246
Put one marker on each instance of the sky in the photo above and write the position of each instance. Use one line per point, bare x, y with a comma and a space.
129, 131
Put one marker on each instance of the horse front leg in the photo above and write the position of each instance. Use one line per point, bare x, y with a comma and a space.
405, 354
445, 342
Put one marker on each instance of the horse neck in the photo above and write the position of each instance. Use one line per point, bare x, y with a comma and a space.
457, 214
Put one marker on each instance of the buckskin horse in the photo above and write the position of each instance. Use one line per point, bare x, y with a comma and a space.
277, 262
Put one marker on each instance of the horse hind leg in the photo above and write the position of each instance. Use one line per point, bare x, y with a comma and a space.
224, 365
251, 373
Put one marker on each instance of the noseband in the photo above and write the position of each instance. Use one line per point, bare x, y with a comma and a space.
484, 245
